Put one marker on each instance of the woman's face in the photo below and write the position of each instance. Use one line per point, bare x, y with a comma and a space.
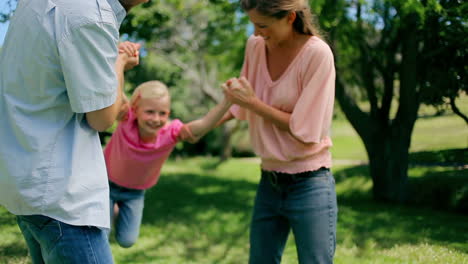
273, 30
152, 114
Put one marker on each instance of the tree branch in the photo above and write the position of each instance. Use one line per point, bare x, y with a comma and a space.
358, 118
456, 110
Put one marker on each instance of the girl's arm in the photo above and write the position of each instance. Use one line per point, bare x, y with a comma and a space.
216, 116
227, 116
124, 108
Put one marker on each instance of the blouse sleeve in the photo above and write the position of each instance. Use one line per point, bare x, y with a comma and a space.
311, 118
237, 111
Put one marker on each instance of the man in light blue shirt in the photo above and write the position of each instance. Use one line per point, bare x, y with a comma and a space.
61, 82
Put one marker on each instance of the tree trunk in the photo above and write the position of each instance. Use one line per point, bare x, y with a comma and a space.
229, 129
388, 163
226, 151
387, 141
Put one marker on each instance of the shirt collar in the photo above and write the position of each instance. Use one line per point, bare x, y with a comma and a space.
118, 9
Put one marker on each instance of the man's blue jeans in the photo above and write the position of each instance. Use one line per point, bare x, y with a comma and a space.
306, 205
127, 224
51, 241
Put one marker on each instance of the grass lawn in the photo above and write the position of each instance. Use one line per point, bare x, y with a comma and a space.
200, 213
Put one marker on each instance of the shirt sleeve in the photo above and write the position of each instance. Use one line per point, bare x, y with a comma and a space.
311, 117
87, 55
175, 129
237, 111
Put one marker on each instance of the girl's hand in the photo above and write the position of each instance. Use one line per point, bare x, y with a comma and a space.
129, 52
239, 91
130, 48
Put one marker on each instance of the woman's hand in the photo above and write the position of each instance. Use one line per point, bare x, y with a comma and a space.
240, 92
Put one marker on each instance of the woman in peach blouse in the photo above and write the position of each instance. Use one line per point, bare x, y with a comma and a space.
286, 94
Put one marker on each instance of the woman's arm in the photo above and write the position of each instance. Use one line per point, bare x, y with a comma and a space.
240, 92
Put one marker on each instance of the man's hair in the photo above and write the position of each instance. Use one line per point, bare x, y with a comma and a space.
127, 4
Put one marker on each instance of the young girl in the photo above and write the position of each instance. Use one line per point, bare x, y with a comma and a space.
142, 142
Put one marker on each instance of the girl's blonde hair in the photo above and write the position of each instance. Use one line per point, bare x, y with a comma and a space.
305, 22
150, 89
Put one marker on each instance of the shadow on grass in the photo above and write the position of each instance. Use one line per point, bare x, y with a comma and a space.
442, 190
11, 250
15, 250
446, 157
363, 222
201, 212
182, 196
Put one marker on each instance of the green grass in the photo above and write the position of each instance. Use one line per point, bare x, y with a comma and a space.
200, 212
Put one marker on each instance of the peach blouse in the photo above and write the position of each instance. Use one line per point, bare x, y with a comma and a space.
306, 90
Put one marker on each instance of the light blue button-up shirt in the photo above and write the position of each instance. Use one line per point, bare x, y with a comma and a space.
57, 63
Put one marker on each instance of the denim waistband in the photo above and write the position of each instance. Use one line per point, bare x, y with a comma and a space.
119, 188
286, 178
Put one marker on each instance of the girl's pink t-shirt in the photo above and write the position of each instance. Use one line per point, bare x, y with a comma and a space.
306, 90
134, 164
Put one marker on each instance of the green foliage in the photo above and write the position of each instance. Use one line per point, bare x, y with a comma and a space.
445, 52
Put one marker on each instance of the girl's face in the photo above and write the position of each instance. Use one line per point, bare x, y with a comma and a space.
274, 31
152, 114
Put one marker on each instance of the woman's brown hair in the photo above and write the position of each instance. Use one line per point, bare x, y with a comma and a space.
304, 23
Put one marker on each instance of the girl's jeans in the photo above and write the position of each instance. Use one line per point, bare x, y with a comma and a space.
52, 242
307, 205
128, 221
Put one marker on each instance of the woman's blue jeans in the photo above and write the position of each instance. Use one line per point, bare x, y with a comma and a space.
52, 242
127, 223
307, 206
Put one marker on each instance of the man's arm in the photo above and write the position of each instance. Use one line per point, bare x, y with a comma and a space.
102, 119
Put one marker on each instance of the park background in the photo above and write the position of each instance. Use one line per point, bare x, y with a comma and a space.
400, 133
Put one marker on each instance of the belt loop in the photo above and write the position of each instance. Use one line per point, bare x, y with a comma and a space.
274, 178
294, 177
